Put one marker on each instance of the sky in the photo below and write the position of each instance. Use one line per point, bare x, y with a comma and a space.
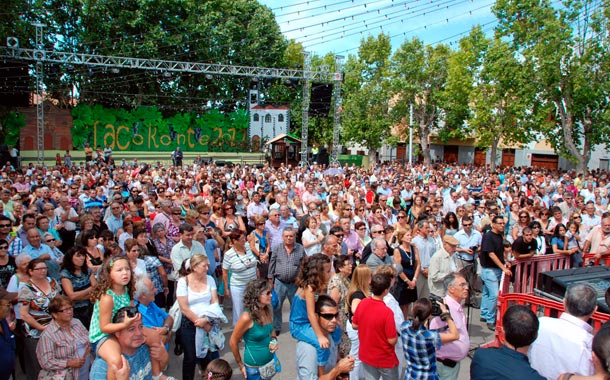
337, 26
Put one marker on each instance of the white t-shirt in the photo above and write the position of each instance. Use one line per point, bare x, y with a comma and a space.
197, 301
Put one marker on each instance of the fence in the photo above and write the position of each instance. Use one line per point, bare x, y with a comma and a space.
525, 274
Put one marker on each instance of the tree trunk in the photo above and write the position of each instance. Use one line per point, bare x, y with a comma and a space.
494, 152
372, 157
424, 134
567, 125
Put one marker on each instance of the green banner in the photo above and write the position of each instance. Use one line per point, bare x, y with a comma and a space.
146, 129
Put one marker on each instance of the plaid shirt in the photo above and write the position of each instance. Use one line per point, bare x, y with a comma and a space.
285, 267
420, 351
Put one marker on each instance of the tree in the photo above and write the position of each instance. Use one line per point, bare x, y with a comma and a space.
365, 116
239, 32
565, 57
419, 78
487, 93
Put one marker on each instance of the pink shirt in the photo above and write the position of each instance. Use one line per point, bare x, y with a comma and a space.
458, 349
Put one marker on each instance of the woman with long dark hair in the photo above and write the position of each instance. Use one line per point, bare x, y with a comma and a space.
255, 326
77, 281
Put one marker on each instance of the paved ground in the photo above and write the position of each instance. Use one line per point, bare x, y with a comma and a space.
479, 334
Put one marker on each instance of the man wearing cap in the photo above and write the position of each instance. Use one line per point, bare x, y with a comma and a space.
7, 338
441, 264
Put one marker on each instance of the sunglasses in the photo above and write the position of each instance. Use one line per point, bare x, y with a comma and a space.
328, 316
131, 312
49, 240
3, 246
5, 225
467, 225
401, 216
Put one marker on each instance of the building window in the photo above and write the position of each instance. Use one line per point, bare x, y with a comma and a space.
267, 118
255, 117
280, 118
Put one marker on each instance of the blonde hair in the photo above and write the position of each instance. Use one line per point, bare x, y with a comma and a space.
361, 280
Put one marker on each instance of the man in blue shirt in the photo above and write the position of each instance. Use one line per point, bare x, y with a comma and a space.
137, 354
154, 318
510, 361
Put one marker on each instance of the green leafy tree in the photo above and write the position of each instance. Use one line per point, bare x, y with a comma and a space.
365, 116
565, 57
487, 93
419, 78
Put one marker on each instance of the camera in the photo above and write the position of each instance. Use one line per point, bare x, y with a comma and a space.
436, 309
474, 249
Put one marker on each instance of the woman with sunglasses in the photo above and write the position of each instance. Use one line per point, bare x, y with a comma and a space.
94, 254
229, 220
255, 327
523, 221
77, 281
63, 350
8, 267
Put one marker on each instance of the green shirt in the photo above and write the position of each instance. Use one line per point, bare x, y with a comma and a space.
95, 330
257, 338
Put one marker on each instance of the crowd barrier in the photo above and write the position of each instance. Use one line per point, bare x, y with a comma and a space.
520, 292
588, 257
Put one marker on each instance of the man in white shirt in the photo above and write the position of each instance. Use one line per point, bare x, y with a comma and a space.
589, 219
564, 344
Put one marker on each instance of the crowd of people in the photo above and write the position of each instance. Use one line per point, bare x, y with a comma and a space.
376, 264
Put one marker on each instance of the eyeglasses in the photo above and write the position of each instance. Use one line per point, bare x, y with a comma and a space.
49, 240
360, 209
339, 235
42, 268
522, 216
260, 224
267, 293
376, 232
5, 225
362, 229
66, 309
467, 225
116, 208
328, 316
577, 217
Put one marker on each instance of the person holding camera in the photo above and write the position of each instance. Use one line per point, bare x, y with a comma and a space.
448, 357
420, 343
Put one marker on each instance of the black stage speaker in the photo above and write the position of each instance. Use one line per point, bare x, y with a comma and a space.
321, 96
555, 283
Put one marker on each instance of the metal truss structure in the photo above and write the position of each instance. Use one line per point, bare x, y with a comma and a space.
40, 56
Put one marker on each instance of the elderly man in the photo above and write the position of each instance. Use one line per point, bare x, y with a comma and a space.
441, 264
137, 354
154, 318
308, 366
564, 343
379, 254
510, 361
274, 226
451, 354
115, 220
598, 240
283, 270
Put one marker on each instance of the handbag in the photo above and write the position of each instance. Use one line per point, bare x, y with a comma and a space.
176, 314
267, 371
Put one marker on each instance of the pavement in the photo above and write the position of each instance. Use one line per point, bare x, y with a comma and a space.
479, 334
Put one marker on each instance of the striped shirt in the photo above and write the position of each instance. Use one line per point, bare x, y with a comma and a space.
57, 346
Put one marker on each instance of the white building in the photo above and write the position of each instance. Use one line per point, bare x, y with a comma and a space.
266, 122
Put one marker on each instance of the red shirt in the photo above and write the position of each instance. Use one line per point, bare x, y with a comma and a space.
375, 326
